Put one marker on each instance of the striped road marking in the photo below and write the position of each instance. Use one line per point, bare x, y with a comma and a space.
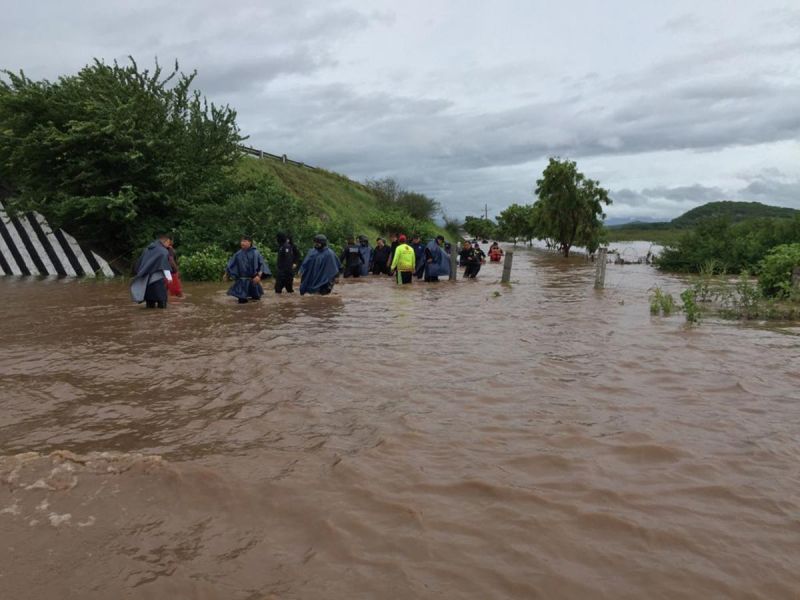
23, 251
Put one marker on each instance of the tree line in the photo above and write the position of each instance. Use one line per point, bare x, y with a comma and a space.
568, 212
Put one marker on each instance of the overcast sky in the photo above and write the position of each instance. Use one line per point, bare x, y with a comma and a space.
667, 106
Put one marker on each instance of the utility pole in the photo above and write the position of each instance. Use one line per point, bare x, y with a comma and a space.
486, 212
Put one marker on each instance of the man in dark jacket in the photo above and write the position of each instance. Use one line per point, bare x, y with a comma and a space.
392, 247
419, 253
352, 259
288, 260
470, 260
380, 258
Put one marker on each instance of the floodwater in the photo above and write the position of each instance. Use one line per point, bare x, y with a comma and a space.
467, 440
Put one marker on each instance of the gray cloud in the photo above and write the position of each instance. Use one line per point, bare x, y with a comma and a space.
465, 127
770, 187
771, 191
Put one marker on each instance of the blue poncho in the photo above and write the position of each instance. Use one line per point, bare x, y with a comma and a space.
242, 267
440, 265
319, 269
366, 254
419, 255
150, 268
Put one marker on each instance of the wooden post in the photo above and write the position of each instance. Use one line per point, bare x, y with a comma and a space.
507, 267
796, 278
453, 261
283, 158
600, 269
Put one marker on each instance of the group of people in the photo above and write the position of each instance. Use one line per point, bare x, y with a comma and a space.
156, 273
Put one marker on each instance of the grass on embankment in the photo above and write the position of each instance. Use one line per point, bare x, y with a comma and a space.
329, 196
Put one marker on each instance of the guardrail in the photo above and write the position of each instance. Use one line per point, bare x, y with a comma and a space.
282, 158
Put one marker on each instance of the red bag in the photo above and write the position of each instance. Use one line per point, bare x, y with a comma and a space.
174, 287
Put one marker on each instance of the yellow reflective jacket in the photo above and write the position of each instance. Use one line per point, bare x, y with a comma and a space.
404, 258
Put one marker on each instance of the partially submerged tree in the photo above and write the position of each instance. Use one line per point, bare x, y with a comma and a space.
517, 222
479, 227
114, 153
571, 206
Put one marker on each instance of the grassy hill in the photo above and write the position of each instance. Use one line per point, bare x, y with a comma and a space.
334, 199
735, 211
667, 232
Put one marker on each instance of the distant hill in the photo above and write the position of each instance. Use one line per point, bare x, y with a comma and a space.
735, 211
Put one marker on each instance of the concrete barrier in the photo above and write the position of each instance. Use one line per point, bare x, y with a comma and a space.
28, 246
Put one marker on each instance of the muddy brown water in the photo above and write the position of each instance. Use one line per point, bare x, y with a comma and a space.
438, 441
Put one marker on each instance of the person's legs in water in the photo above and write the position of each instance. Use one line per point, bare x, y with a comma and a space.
156, 294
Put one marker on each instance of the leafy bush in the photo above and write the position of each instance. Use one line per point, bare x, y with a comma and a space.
207, 264
775, 278
690, 306
734, 247
114, 153
392, 221
257, 206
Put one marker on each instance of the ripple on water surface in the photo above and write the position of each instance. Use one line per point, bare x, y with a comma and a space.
449, 441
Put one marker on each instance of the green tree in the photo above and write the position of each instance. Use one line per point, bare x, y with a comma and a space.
392, 195
479, 227
571, 205
419, 206
113, 153
513, 222
775, 278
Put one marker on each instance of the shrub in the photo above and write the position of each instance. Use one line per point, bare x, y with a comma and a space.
207, 264
661, 303
734, 247
690, 307
257, 206
775, 278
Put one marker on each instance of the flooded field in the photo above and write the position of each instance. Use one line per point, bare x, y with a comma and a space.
462, 440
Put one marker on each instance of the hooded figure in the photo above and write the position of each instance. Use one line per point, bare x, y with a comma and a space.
437, 262
319, 269
379, 258
419, 255
152, 269
246, 268
288, 257
366, 254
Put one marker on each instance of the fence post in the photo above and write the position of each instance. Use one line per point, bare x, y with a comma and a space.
600, 269
507, 267
453, 261
796, 278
